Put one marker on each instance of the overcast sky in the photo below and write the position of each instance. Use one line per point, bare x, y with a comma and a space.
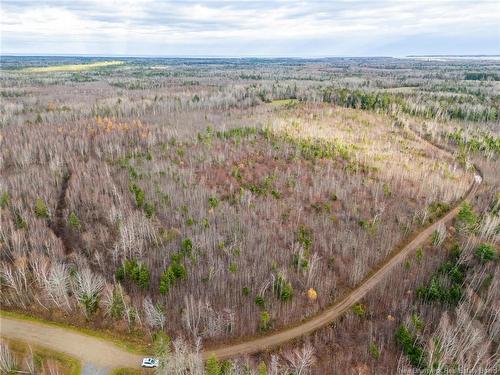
250, 28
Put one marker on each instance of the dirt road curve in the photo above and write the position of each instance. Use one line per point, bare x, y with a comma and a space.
107, 354
91, 349
338, 308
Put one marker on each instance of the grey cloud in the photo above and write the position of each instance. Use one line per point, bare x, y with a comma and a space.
420, 21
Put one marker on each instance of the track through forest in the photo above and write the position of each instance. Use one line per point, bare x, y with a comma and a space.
105, 353
351, 298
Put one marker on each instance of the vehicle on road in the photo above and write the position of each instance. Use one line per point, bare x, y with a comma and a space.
150, 362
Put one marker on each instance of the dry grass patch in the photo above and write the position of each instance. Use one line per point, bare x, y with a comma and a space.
73, 67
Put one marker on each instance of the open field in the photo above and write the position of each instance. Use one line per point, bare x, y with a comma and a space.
214, 201
72, 67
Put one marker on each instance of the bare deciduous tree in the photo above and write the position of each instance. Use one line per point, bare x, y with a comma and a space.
153, 315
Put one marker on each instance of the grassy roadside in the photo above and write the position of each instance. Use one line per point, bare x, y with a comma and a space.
72, 67
131, 346
41, 356
125, 371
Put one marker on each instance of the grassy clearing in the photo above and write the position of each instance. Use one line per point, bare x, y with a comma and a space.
72, 67
41, 356
283, 102
132, 347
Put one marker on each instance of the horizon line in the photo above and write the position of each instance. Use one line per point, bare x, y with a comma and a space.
191, 56
238, 57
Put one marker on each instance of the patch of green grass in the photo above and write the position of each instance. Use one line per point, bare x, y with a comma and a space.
284, 102
125, 371
130, 346
313, 149
72, 67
